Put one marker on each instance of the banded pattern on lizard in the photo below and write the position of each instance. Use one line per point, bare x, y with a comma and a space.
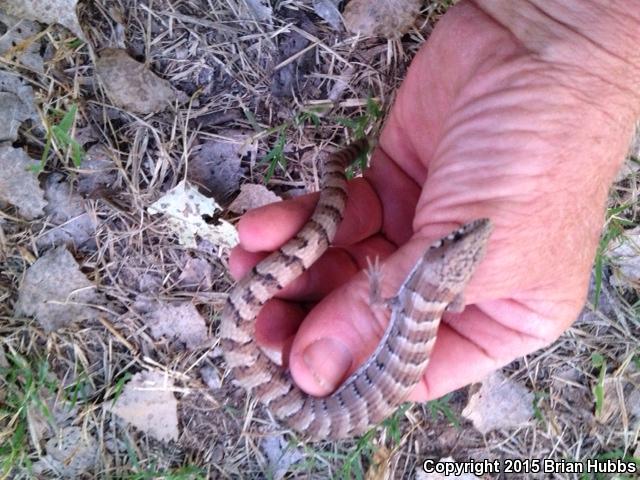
378, 386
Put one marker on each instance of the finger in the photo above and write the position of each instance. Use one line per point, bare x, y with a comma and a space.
331, 271
397, 191
276, 326
269, 227
333, 339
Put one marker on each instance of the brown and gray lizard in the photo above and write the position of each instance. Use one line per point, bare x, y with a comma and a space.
436, 283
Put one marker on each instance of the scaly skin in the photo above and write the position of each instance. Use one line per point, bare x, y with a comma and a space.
384, 381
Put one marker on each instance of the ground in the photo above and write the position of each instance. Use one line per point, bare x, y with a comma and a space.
91, 280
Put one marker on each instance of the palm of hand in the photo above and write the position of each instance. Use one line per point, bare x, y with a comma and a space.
480, 128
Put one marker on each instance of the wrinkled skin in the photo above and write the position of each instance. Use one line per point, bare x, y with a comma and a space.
524, 123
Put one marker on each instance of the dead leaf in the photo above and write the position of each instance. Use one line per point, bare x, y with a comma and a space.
261, 10
567, 383
612, 402
328, 11
621, 399
380, 468
47, 11
280, 454
131, 85
288, 79
86, 134
147, 283
55, 291
10, 82
3, 359
97, 172
196, 274
17, 105
18, 185
182, 322
633, 404
211, 378
46, 422
20, 42
185, 209
3, 364
72, 225
624, 254
383, 18
341, 84
70, 454
148, 403
12, 111
215, 165
499, 404
252, 196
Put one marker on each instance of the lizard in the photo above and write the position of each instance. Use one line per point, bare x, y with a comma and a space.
435, 284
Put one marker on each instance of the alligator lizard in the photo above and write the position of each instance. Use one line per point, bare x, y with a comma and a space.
435, 284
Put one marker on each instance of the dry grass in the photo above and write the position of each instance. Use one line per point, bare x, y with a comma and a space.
225, 63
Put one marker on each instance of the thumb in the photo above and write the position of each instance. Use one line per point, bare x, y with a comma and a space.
334, 339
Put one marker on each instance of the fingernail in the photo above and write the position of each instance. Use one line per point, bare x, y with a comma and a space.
328, 360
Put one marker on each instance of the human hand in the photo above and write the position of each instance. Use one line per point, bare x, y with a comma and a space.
523, 123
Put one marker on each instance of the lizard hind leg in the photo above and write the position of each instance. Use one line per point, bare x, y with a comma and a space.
458, 304
375, 276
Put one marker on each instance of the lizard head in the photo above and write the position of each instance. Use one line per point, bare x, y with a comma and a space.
453, 259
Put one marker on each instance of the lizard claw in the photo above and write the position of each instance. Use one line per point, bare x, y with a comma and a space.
375, 275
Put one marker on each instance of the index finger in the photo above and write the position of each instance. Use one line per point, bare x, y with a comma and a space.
269, 227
